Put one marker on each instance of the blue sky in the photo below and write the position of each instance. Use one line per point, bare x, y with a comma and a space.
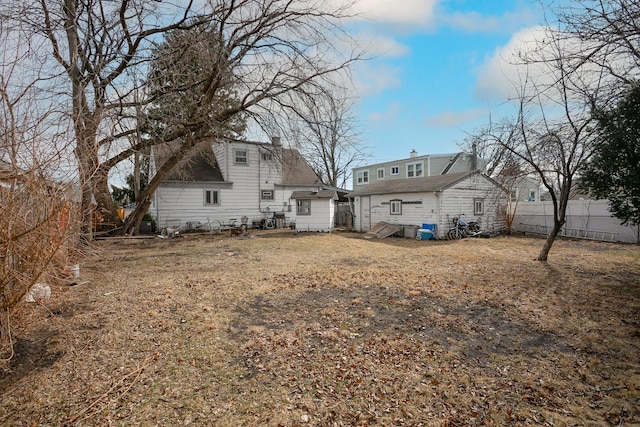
438, 70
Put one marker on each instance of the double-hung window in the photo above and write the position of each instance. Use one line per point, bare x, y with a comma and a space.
478, 206
362, 177
211, 197
414, 170
241, 157
381, 173
303, 207
396, 207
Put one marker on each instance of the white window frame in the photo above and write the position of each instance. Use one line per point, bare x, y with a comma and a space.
478, 206
303, 207
362, 177
395, 170
413, 169
241, 159
211, 198
532, 195
267, 156
395, 207
380, 173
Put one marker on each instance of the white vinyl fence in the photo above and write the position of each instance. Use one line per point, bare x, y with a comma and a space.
586, 219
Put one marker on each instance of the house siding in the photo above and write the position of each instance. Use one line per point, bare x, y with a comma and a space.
321, 218
170, 201
458, 201
417, 208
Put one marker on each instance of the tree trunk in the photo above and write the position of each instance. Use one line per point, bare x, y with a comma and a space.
86, 208
133, 221
136, 177
551, 237
106, 207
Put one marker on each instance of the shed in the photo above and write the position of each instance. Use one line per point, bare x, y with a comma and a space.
430, 200
315, 210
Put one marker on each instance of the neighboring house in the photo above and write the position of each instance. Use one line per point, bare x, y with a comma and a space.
416, 167
229, 179
522, 189
315, 210
436, 200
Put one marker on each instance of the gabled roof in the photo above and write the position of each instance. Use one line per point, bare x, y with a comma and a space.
296, 170
322, 194
198, 165
412, 185
202, 165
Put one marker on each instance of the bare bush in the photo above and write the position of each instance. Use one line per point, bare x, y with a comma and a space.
37, 214
36, 220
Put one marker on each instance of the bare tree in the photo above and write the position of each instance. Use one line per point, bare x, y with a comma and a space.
36, 213
272, 47
98, 46
269, 51
323, 128
608, 32
551, 135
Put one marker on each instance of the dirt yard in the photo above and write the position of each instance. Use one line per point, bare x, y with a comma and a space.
333, 330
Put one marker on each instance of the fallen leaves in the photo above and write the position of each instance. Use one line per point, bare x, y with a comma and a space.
352, 332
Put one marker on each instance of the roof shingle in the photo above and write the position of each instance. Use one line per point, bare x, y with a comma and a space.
412, 185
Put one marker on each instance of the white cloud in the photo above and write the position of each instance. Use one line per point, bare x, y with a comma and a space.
403, 12
456, 118
503, 73
370, 79
386, 117
475, 22
378, 45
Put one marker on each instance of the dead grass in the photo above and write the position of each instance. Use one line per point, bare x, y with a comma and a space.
320, 329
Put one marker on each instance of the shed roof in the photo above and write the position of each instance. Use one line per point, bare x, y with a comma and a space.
322, 194
412, 185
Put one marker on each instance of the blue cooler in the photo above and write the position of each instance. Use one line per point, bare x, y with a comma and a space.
423, 234
427, 232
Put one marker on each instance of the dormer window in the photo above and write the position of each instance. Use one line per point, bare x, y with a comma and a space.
362, 177
414, 170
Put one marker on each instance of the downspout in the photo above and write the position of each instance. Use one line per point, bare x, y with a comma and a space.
260, 181
438, 210
428, 165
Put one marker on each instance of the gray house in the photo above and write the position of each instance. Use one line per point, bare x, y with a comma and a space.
430, 200
416, 166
